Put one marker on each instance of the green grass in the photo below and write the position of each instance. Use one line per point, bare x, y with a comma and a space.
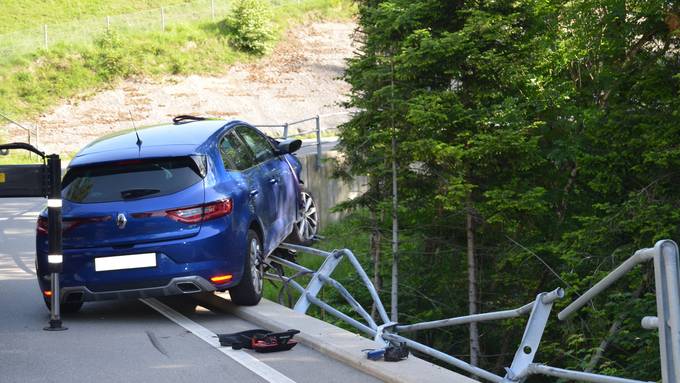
32, 83
19, 159
22, 14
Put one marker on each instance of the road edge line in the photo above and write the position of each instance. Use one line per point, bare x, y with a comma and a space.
248, 361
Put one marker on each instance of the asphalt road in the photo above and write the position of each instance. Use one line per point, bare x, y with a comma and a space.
127, 341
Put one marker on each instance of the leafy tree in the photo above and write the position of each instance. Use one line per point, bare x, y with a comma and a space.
542, 143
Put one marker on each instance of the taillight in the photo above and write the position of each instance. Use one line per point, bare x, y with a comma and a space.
200, 213
70, 223
42, 225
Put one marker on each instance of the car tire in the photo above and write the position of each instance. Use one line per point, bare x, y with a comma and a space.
65, 307
249, 290
307, 227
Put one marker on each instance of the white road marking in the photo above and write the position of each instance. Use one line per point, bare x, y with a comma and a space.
246, 360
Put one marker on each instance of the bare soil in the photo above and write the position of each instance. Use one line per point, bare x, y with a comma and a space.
299, 79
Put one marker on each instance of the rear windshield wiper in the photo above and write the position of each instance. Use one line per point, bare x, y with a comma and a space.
137, 193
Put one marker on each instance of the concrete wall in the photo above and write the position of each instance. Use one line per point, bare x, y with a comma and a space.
328, 191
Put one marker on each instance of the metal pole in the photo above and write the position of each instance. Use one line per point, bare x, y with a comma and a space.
108, 23
54, 255
162, 19
542, 369
497, 315
318, 142
45, 36
667, 282
637, 258
212, 9
285, 130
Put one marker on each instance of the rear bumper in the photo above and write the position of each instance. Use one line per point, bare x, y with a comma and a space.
176, 286
212, 253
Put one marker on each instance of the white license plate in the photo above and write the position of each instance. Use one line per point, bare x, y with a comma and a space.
122, 262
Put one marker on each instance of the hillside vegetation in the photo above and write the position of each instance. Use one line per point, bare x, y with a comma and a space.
31, 84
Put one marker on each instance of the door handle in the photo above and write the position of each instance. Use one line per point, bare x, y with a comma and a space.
253, 193
273, 181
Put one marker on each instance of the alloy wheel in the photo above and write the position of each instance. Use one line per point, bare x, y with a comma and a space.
256, 265
308, 225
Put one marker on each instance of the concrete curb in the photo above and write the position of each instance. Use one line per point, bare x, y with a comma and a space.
335, 342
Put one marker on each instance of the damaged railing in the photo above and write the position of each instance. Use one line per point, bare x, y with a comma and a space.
666, 264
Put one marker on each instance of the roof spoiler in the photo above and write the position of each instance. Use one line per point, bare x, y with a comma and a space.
185, 118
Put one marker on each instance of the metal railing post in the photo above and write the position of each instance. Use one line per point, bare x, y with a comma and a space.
317, 282
212, 9
318, 142
162, 19
285, 131
533, 332
667, 280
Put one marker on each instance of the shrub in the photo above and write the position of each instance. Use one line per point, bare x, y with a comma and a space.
249, 26
110, 60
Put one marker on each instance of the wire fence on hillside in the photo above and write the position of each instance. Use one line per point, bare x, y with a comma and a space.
87, 30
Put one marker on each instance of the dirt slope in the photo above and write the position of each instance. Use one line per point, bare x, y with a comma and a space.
298, 80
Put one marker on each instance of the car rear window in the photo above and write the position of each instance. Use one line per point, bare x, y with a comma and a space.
130, 180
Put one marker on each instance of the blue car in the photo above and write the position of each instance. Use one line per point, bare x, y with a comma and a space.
193, 206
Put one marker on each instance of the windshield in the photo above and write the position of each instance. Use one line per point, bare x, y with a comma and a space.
129, 180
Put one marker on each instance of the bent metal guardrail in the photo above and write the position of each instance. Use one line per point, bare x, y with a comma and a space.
667, 274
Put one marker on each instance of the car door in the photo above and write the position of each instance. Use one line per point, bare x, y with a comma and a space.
238, 156
267, 177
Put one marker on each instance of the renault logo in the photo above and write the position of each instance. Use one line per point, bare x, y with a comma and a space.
121, 221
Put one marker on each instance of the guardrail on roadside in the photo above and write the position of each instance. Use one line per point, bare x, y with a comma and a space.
35, 132
667, 275
316, 131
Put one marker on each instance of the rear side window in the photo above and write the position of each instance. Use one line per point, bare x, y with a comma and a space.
235, 155
130, 180
260, 146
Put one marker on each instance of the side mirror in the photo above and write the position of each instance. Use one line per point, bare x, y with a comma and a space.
288, 146
4, 152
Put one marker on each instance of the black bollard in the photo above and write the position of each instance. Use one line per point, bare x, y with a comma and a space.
55, 258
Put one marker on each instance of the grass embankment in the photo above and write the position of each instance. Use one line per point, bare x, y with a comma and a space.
32, 83
17, 14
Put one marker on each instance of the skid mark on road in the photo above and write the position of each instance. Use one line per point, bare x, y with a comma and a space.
156, 344
246, 360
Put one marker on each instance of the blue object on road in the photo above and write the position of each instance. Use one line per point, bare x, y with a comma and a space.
193, 206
